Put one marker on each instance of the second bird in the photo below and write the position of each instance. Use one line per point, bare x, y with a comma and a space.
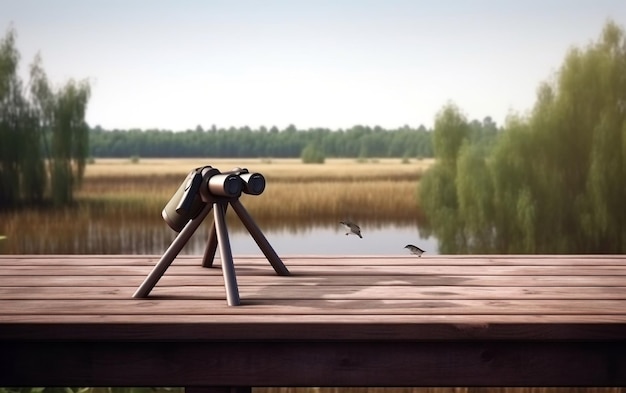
352, 228
414, 250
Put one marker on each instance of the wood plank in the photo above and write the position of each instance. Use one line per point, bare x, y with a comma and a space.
175, 306
326, 270
465, 321
315, 327
344, 260
271, 279
363, 292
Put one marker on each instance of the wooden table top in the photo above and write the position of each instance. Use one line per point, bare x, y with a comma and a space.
345, 300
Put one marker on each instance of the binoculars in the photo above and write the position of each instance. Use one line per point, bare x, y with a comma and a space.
206, 185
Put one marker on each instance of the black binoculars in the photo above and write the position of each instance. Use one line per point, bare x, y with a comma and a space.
206, 185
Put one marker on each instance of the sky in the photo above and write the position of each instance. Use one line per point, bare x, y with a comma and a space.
176, 65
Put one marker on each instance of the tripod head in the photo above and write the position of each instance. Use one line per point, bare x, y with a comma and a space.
207, 185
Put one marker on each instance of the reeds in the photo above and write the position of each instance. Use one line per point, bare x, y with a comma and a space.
383, 190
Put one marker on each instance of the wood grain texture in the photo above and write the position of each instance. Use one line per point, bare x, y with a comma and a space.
493, 320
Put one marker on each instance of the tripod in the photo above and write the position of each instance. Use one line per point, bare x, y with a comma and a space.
199, 180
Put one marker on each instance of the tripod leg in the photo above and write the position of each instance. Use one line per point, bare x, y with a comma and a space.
172, 251
211, 247
228, 267
259, 238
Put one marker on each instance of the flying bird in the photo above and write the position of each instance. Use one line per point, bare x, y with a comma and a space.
415, 250
352, 228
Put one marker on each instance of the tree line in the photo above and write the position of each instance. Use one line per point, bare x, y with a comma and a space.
553, 181
358, 141
44, 138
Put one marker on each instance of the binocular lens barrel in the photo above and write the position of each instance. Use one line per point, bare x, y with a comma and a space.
227, 185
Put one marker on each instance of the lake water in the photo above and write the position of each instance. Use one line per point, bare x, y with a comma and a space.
379, 240
71, 233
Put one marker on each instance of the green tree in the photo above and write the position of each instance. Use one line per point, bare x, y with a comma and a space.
12, 104
512, 169
70, 140
312, 154
438, 192
22, 174
62, 119
605, 218
44, 139
552, 182
475, 192
451, 130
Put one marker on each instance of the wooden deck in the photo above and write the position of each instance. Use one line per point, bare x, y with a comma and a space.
335, 321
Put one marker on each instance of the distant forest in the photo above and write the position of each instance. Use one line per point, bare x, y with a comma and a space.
358, 141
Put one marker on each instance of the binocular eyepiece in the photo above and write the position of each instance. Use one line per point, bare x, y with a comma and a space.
253, 183
206, 185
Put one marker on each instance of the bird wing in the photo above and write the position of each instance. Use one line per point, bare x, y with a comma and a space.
350, 225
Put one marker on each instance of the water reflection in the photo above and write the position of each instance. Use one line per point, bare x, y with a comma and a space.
96, 232
380, 239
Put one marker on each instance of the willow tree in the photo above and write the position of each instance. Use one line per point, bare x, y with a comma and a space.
438, 193
22, 175
43, 133
69, 140
605, 218
11, 104
578, 139
475, 191
554, 180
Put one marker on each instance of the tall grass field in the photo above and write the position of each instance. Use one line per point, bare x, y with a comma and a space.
370, 189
